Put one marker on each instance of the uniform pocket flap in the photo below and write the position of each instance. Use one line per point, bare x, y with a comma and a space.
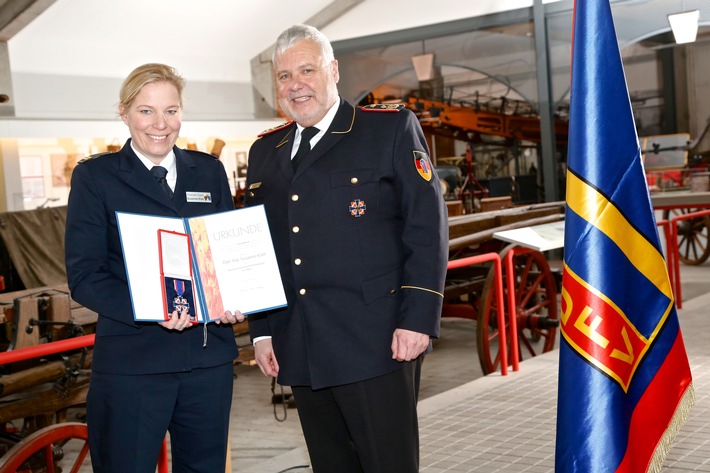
353, 177
386, 285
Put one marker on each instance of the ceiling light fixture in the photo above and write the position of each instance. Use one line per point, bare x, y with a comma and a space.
423, 66
684, 26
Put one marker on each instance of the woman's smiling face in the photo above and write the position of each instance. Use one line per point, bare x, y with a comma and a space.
154, 119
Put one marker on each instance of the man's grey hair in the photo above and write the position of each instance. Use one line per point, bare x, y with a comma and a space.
298, 33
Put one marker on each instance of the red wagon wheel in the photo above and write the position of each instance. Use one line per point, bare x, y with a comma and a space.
535, 308
44, 450
693, 248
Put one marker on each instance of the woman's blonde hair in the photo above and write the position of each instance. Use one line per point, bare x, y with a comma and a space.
148, 74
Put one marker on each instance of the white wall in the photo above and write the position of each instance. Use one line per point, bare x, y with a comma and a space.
45, 96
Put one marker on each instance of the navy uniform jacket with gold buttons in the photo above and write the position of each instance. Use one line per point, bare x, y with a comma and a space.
361, 236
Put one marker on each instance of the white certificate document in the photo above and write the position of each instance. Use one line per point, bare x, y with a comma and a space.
236, 264
233, 262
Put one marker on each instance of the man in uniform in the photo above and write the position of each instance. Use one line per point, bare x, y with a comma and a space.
361, 236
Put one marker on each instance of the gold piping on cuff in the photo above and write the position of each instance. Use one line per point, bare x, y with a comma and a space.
423, 289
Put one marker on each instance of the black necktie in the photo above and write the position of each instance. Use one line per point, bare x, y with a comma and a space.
160, 172
305, 145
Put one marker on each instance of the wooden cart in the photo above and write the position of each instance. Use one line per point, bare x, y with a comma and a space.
692, 233
470, 290
44, 373
679, 181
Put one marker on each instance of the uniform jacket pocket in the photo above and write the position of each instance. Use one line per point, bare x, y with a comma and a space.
386, 285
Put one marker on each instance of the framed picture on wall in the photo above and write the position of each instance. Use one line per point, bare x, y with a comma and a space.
32, 177
241, 163
62, 167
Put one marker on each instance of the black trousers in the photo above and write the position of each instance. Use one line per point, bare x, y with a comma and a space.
128, 417
365, 427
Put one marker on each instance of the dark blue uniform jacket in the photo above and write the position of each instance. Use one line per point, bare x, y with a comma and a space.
96, 272
361, 237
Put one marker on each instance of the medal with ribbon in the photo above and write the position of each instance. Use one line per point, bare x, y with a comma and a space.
179, 302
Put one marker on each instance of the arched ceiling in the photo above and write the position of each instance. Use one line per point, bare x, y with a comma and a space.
212, 40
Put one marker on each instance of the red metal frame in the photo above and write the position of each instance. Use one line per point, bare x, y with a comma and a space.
512, 315
671, 234
512, 310
27, 353
59, 346
498, 276
673, 250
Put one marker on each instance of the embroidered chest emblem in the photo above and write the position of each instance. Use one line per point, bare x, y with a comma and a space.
357, 208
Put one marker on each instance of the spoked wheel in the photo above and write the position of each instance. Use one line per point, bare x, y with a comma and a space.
54, 449
535, 308
693, 248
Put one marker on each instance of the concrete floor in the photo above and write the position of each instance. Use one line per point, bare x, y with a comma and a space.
472, 423
257, 434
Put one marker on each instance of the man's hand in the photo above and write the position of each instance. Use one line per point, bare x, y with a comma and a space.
408, 345
265, 357
229, 318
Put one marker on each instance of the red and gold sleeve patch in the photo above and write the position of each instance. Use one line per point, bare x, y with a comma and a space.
421, 162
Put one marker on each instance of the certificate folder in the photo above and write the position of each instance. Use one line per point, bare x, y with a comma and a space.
226, 261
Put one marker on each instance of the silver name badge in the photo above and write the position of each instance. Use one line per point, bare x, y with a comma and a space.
202, 197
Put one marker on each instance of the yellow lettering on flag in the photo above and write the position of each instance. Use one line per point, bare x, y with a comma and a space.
599, 330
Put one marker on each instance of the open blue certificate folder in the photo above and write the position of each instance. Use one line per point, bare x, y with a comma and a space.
205, 265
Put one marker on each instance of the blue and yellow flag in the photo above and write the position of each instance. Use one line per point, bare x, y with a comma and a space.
624, 380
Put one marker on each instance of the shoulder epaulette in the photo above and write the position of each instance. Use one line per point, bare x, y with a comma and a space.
274, 129
201, 153
383, 107
97, 155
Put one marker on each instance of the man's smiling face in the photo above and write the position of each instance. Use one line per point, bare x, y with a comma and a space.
306, 83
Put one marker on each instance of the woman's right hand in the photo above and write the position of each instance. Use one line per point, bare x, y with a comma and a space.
178, 321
